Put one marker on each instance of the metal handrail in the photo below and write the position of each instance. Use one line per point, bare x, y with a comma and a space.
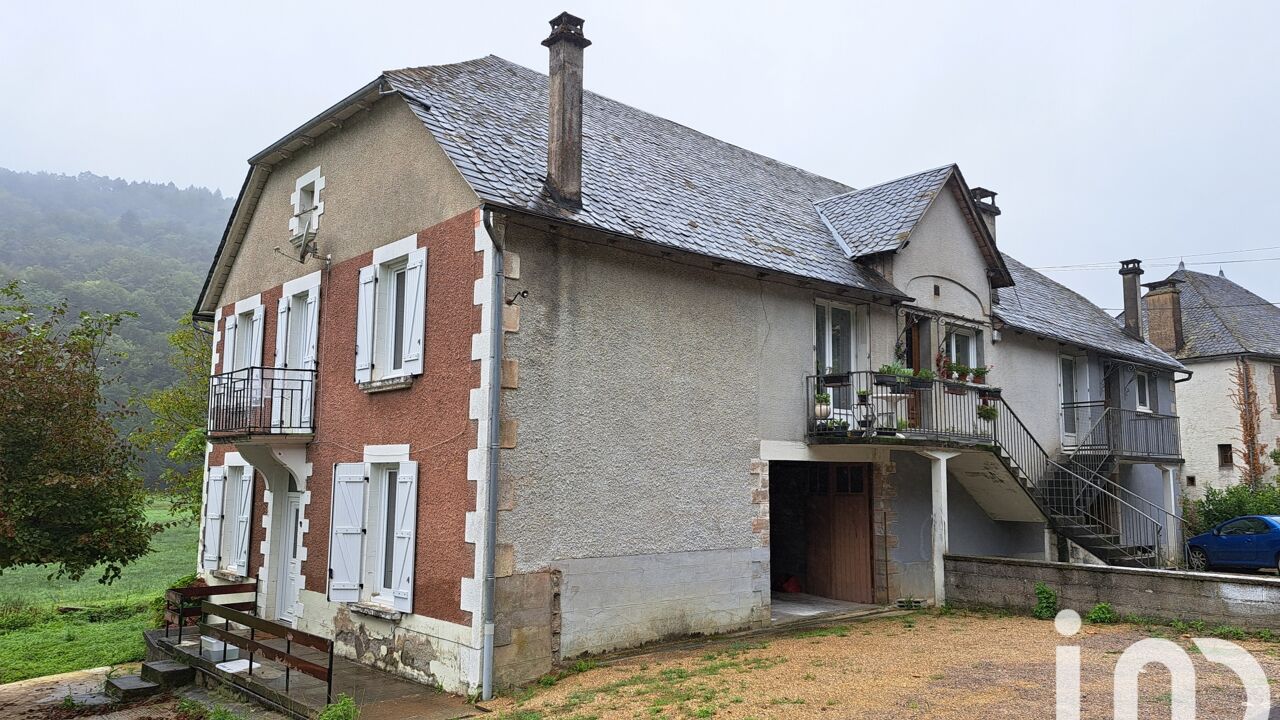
262, 400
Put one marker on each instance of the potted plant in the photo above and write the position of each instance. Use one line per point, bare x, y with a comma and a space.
944, 365
922, 380
903, 424
961, 371
864, 397
840, 426
890, 375
831, 378
988, 412
980, 374
822, 405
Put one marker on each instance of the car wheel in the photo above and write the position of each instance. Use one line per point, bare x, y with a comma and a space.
1198, 559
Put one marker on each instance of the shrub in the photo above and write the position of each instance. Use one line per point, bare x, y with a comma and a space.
1219, 505
343, 709
1046, 602
1101, 613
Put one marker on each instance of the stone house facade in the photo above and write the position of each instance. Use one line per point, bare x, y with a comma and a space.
506, 372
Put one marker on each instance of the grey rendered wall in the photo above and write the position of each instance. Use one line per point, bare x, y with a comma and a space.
1207, 418
645, 388
1027, 371
385, 178
1247, 602
942, 251
971, 530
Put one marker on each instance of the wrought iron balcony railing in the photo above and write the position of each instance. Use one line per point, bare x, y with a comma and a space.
262, 401
1121, 432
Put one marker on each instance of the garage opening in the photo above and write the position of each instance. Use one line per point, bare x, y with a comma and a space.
820, 550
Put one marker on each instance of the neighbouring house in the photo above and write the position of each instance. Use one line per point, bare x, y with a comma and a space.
1229, 338
505, 372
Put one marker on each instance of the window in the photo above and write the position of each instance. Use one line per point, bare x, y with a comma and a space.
242, 339
837, 332
292, 383
307, 206
228, 510
1237, 527
1226, 458
1275, 384
382, 510
390, 312
962, 346
1191, 481
1142, 386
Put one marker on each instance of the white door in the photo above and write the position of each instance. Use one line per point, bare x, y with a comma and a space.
1067, 396
291, 568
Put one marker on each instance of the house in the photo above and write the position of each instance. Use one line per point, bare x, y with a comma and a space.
1230, 338
506, 372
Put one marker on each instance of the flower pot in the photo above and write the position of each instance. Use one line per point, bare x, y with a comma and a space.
886, 380
822, 411
919, 384
962, 377
864, 399
980, 379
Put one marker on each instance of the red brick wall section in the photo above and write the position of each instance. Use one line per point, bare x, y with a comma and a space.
432, 416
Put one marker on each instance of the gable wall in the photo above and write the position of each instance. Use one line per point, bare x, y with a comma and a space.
942, 251
385, 178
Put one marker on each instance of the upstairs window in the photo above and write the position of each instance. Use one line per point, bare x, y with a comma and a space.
1142, 386
838, 333
964, 345
391, 312
1226, 458
307, 206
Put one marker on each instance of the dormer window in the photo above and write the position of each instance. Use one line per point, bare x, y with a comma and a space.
307, 207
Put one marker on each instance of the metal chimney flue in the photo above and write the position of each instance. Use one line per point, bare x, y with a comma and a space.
564, 139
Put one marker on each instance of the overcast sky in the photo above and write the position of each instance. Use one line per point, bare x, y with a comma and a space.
1109, 129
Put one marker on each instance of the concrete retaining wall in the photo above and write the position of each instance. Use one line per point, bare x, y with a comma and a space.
1216, 599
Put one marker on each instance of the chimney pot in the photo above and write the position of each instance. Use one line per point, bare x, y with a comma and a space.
564, 138
1131, 271
985, 200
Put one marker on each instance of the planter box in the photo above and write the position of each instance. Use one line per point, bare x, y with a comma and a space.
955, 388
836, 379
920, 384
886, 380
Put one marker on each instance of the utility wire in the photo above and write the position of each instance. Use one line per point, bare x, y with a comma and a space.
1219, 307
1112, 266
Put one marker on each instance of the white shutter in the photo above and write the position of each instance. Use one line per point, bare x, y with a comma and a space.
312, 327
364, 323
244, 511
282, 333
346, 532
402, 545
229, 343
213, 490
415, 284
255, 350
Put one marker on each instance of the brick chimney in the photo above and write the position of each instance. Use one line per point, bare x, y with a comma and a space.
1164, 314
1131, 271
564, 141
986, 201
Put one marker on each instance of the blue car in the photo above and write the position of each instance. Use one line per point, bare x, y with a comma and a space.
1250, 542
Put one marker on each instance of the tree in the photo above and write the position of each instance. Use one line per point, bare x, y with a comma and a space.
1252, 453
69, 494
179, 411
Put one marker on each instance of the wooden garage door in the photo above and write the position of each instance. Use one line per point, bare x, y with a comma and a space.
838, 517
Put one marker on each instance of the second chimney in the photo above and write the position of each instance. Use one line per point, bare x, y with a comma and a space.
564, 141
1131, 271
1164, 314
985, 200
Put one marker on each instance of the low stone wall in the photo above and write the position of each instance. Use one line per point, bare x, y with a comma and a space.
1246, 602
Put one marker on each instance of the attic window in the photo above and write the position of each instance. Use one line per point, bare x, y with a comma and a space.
307, 206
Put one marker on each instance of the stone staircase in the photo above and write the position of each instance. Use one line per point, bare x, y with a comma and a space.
157, 676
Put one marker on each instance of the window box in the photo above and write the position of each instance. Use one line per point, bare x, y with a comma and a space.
956, 388
836, 379
916, 383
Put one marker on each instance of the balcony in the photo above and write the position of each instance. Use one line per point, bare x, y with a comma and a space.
1131, 434
262, 401
866, 405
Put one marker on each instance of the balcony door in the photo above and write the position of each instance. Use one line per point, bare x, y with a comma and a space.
1068, 395
840, 346
293, 377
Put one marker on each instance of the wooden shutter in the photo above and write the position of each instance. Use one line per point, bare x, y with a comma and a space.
346, 532
213, 491
404, 525
364, 323
415, 283
244, 511
313, 328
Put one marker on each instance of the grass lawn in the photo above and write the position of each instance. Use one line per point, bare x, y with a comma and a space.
36, 640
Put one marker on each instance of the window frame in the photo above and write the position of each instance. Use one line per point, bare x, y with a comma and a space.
952, 330
384, 534
1230, 456
307, 218
385, 327
822, 346
1141, 388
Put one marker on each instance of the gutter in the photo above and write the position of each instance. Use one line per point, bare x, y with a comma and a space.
491, 486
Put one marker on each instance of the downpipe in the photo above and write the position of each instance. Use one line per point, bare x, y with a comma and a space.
491, 487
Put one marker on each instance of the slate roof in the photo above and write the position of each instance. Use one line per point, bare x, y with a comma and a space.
880, 218
1038, 305
1220, 317
643, 175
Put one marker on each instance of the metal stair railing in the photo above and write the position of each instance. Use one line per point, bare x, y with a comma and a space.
1066, 510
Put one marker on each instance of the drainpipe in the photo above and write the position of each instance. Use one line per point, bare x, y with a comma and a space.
491, 487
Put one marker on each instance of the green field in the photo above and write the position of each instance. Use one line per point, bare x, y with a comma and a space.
35, 639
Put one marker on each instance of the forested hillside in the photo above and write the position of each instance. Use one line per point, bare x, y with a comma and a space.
112, 245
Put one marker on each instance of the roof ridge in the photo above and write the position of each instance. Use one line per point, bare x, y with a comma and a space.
855, 191
665, 119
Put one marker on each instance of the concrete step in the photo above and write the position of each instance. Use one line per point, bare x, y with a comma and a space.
168, 673
131, 687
